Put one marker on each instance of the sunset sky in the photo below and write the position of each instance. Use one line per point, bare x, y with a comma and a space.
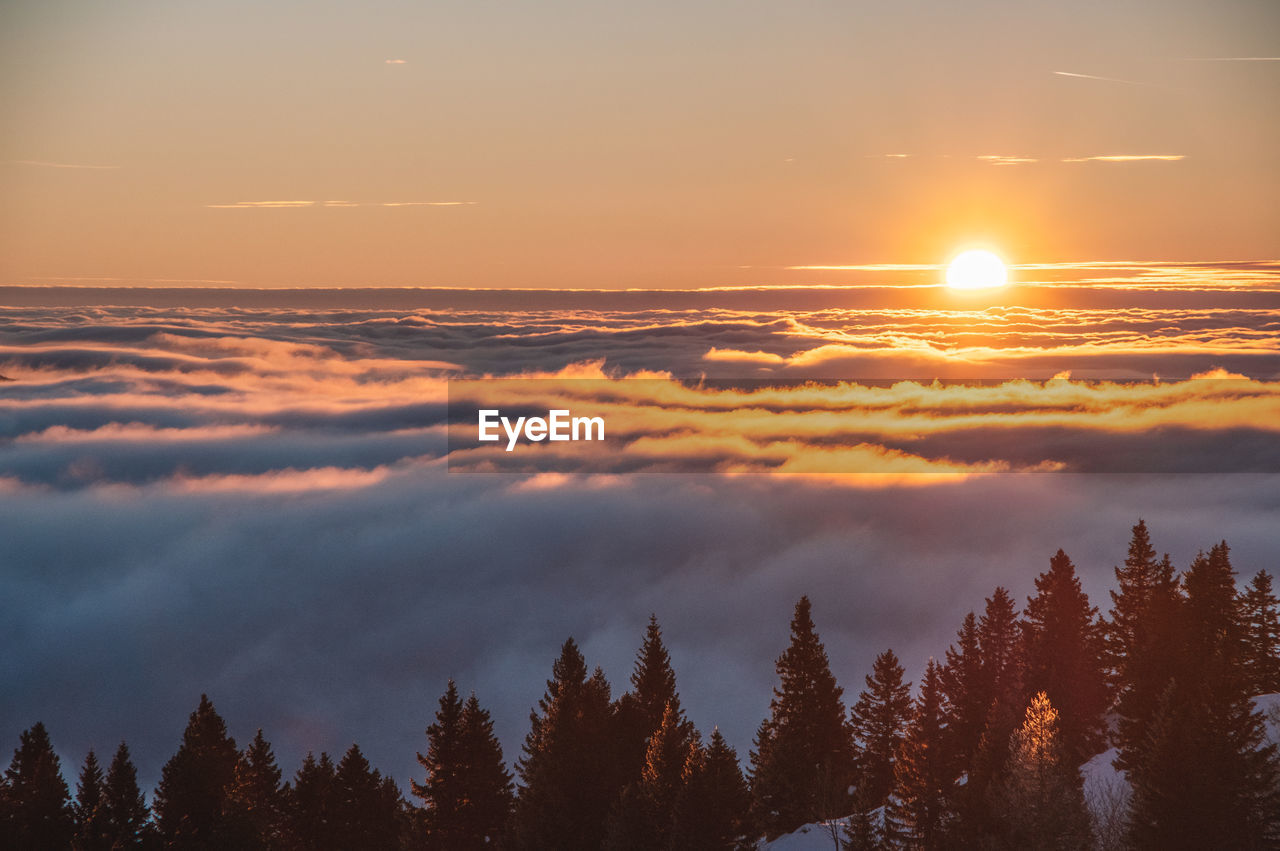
217, 483
485, 144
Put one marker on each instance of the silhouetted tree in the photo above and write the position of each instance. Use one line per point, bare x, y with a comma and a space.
712, 812
368, 812
879, 719
1064, 647
89, 813
1040, 801
256, 797
1261, 621
467, 793
1150, 663
567, 769
125, 810
311, 806
1203, 775
918, 808
644, 816
1135, 581
968, 700
802, 765
640, 710
37, 808
191, 801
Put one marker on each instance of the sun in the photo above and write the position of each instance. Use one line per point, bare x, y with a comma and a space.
976, 270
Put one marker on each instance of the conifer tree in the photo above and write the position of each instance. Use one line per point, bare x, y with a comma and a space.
1203, 775
878, 719
712, 812
1135, 582
1155, 658
1261, 621
967, 699
37, 802
368, 812
918, 809
802, 766
125, 810
311, 805
567, 772
467, 792
256, 797
644, 816
1064, 647
1040, 801
191, 801
640, 710
88, 810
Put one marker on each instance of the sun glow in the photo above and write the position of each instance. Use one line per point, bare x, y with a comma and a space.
976, 270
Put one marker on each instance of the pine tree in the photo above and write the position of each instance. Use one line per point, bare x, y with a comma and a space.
1135, 581
1040, 801
125, 810
878, 721
1203, 775
368, 812
567, 771
1064, 647
467, 792
712, 812
37, 801
644, 817
802, 766
311, 805
256, 797
1261, 620
918, 809
88, 811
639, 711
967, 698
191, 801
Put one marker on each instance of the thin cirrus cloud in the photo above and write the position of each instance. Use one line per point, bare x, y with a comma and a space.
293, 205
1126, 158
1099, 78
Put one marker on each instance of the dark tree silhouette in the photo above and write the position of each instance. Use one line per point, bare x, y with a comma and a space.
644, 817
918, 809
640, 710
712, 812
191, 801
467, 793
1064, 646
1261, 621
879, 719
126, 812
88, 810
256, 797
37, 811
1135, 582
968, 700
311, 805
802, 765
368, 812
568, 768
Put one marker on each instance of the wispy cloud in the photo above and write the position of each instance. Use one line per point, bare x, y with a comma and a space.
46, 164
1233, 59
1125, 158
396, 61
1103, 79
996, 159
289, 205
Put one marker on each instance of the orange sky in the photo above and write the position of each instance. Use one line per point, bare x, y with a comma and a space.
626, 145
